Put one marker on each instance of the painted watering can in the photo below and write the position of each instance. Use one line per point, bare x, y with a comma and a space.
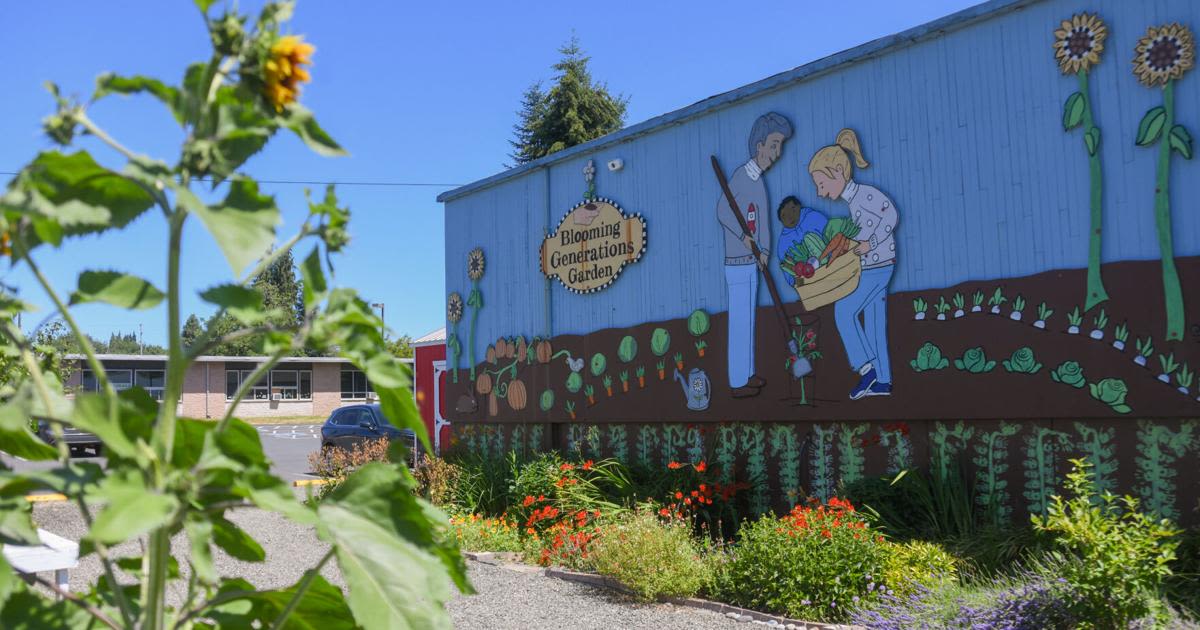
695, 388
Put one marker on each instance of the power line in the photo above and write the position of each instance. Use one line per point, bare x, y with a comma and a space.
321, 183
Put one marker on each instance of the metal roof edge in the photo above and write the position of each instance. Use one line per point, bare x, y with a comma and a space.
862, 52
213, 358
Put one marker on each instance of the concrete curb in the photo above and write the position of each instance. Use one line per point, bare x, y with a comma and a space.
733, 612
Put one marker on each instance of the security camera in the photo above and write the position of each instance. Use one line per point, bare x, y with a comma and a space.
616, 165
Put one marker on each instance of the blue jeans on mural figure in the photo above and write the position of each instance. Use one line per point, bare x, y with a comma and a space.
742, 283
866, 340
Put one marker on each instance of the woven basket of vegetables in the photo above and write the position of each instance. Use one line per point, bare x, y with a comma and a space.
821, 267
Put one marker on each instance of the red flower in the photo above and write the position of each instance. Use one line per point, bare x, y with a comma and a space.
701, 467
826, 533
674, 465
664, 512
678, 495
810, 334
528, 501
566, 467
587, 465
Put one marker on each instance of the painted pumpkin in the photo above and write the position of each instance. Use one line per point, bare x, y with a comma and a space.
483, 383
491, 355
521, 347
493, 406
544, 351
516, 394
501, 352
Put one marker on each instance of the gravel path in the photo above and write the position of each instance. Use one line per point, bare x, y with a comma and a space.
517, 597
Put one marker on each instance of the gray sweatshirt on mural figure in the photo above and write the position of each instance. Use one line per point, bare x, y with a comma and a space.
877, 217
750, 192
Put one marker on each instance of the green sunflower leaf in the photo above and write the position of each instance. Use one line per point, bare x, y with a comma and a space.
1073, 111
1181, 141
116, 288
1151, 126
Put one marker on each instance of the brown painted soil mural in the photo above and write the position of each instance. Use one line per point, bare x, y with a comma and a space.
990, 350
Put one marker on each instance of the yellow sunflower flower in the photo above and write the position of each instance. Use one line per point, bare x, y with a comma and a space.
5, 244
1079, 42
284, 70
475, 264
1164, 54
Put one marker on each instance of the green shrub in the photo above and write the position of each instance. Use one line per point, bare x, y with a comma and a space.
548, 479
482, 484
437, 480
815, 563
654, 559
917, 565
1114, 556
480, 533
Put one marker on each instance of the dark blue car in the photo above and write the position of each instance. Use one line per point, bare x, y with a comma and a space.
348, 426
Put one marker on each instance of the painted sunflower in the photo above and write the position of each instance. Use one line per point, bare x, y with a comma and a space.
454, 308
1164, 54
284, 70
475, 264
1079, 42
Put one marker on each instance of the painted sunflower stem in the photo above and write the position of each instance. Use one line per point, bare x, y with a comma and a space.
1096, 294
1172, 292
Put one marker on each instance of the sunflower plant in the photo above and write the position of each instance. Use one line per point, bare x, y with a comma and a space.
1163, 55
168, 476
1078, 43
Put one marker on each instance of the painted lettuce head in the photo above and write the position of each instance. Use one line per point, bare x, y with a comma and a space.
974, 361
1069, 373
660, 341
1112, 392
929, 357
1022, 361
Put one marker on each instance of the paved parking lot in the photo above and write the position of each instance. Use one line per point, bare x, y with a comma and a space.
287, 446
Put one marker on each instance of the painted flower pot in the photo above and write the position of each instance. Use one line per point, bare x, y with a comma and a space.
1119, 345
1140, 360
919, 316
1097, 334
1072, 330
958, 313
801, 367
1166, 378
1041, 323
1016, 316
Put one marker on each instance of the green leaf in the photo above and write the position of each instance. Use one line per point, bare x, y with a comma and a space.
109, 83
393, 584
322, 607
300, 120
203, 5
1181, 141
75, 192
91, 414
271, 493
244, 303
16, 528
314, 278
1073, 111
9, 582
199, 533
116, 288
236, 542
1151, 126
243, 224
1091, 139
132, 510
18, 440
241, 442
27, 610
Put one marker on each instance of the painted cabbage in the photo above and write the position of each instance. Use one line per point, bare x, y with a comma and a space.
1112, 392
598, 364
628, 349
1069, 373
974, 361
929, 357
698, 322
574, 382
660, 341
1023, 362
547, 400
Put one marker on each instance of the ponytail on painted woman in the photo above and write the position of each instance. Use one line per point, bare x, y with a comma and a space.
837, 156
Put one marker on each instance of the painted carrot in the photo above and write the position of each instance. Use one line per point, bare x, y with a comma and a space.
624, 381
590, 393
679, 361
700, 346
608, 385
662, 370
641, 376
571, 409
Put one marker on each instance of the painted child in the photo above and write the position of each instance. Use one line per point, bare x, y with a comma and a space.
876, 216
797, 220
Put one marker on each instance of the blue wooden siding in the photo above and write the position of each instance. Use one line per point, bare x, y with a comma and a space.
963, 132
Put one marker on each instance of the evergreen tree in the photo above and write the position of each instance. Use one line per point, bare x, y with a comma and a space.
282, 291
192, 329
576, 109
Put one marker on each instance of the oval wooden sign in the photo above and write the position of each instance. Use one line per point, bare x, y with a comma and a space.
593, 242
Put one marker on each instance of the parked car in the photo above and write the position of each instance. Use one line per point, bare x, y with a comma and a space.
348, 426
74, 438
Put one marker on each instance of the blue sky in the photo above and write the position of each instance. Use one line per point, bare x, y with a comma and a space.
417, 92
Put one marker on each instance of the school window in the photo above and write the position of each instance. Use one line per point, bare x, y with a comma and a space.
152, 381
354, 385
287, 384
234, 380
120, 379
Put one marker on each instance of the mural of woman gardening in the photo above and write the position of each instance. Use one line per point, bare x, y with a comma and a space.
861, 316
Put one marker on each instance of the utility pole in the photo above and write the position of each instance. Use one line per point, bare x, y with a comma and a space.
382, 319
141, 340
